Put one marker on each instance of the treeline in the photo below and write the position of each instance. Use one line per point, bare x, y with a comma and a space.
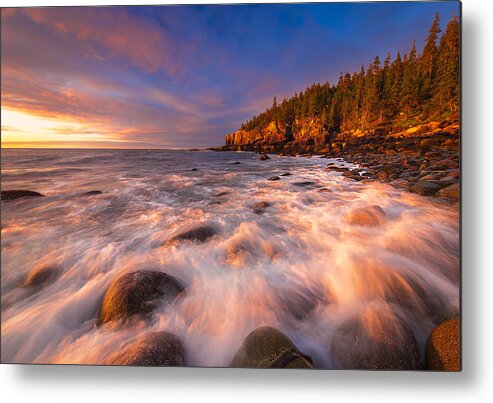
406, 90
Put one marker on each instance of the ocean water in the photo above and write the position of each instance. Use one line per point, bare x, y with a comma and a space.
300, 265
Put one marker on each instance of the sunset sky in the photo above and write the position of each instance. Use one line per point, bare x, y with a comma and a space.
181, 76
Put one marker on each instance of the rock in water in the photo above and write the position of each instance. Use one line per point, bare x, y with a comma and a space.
137, 292
17, 194
450, 192
267, 347
443, 347
274, 178
264, 157
197, 234
160, 349
93, 193
371, 216
41, 275
425, 188
375, 339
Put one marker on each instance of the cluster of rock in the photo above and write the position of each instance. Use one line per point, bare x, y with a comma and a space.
423, 159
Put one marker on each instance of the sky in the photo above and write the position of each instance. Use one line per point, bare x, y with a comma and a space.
181, 76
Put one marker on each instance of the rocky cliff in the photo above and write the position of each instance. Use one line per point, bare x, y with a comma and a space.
312, 136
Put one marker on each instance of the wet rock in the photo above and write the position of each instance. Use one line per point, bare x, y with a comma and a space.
236, 163
430, 177
42, 275
443, 347
375, 339
17, 194
325, 190
425, 188
336, 168
304, 183
93, 193
274, 178
197, 234
450, 192
193, 169
160, 349
137, 292
264, 157
370, 216
267, 347
399, 183
259, 208
286, 174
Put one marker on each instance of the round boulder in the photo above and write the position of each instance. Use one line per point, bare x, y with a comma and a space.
425, 188
160, 349
370, 216
197, 234
17, 194
450, 192
375, 339
267, 347
137, 292
443, 347
41, 275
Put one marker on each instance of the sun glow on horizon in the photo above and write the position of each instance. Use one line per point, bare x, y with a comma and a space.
24, 129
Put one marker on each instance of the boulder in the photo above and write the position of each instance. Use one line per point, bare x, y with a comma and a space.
264, 157
17, 194
259, 208
160, 349
42, 275
267, 347
196, 234
370, 216
137, 292
93, 193
375, 339
425, 188
443, 347
274, 178
450, 192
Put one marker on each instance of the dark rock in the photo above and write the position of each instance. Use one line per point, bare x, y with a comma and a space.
93, 193
370, 216
267, 347
375, 339
264, 157
286, 174
274, 178
194, 169
17, 194
42, 275
236, 163
443, 347
450, 192
425, 188
304, 183
137, 292
160, 349
259, 208
197, 234
336, 168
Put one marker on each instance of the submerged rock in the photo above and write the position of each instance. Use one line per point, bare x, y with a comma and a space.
160, 349
264, 157
375, 339
259, 208
443, 347
274, 178
41, 275
197, 234
137, 292
267, 347
93, 193
425, 188
371, 216
17, 194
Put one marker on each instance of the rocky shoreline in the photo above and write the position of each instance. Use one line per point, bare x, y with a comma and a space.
423, 159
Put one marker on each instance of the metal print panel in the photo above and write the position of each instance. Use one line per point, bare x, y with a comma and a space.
259, 186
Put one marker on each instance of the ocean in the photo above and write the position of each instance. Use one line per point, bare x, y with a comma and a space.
287, 253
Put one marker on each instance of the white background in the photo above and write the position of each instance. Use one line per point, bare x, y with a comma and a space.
85, 384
